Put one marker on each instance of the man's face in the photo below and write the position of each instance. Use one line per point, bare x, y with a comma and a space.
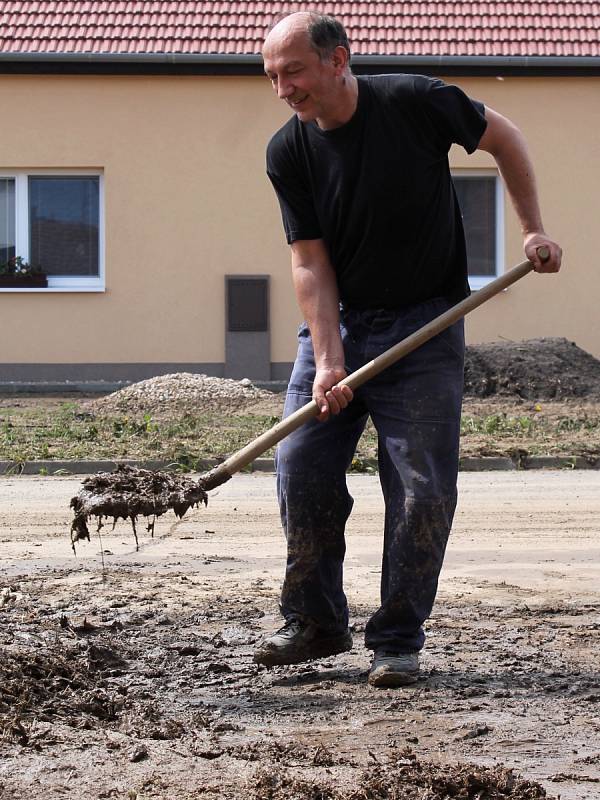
298, 75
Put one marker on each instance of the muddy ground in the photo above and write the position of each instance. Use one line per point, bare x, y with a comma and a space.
137, 681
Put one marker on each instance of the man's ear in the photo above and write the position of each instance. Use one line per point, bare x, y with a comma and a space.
339, 59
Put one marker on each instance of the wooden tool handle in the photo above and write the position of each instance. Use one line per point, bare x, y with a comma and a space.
543, 252
282, 429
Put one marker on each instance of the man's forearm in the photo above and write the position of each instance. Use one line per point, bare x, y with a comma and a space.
509, 148
507, 144
318, 297
317, 294
516, 168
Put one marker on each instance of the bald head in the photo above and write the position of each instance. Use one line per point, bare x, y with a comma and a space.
291, 30
321, 32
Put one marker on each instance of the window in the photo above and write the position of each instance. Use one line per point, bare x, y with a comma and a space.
481, 203
53, 220
7, 219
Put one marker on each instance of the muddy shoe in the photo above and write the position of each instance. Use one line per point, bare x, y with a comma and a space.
300, 640
394, 669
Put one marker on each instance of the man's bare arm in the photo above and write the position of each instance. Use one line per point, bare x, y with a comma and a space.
318, 297
508, 146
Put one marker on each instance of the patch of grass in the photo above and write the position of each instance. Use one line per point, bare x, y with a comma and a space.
545, 431
498, 425
69, 431
570, 424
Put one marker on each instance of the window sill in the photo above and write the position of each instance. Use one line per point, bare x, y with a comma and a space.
49, 289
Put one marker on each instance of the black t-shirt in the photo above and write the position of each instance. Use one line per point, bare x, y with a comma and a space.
378, 190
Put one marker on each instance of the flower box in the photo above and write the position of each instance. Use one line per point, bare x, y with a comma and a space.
16, 281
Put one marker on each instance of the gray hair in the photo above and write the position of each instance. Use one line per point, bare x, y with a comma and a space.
325, 34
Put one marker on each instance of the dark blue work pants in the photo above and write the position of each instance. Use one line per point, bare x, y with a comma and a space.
415, 407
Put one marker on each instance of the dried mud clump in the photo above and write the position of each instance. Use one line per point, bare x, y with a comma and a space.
409, 779
536, 369
57, 683
130, 492
437, 782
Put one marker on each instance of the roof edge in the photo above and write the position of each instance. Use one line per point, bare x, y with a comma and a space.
523, 62
225, 64
141, 58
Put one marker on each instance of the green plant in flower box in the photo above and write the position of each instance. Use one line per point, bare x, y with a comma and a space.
16, 272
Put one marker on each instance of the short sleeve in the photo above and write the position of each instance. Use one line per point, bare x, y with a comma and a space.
456, 118
293, 192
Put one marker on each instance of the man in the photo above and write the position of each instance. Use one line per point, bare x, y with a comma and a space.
361, 173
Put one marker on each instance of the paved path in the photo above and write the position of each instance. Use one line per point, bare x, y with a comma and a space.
535, 531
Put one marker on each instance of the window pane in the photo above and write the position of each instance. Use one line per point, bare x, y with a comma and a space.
477, 200
64, 220
7, 219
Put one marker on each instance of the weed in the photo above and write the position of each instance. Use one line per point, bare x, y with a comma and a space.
494, 423
567, 424
498, 425
118, 427
570, 424
368, 465
185, 461
8, 432
526, 423
15, 469
92, 432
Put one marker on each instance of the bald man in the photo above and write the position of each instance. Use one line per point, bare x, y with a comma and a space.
369, 210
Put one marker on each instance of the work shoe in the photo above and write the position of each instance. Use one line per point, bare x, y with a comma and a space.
394, 669
301, 640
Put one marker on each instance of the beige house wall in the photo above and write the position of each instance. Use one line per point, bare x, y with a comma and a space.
187, 201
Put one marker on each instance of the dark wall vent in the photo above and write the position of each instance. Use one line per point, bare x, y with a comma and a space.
247, 303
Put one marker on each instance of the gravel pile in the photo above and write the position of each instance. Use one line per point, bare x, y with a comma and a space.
181, 392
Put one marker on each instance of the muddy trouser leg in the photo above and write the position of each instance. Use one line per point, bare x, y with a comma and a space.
314, 501
416, 410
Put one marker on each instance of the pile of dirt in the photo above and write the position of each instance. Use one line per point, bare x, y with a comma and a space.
407, 779
181, 392
535, 369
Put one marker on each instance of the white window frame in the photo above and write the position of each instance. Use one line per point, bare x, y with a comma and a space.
56, 283
479, 281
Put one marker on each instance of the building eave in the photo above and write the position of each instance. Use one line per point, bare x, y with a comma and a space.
251, 64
